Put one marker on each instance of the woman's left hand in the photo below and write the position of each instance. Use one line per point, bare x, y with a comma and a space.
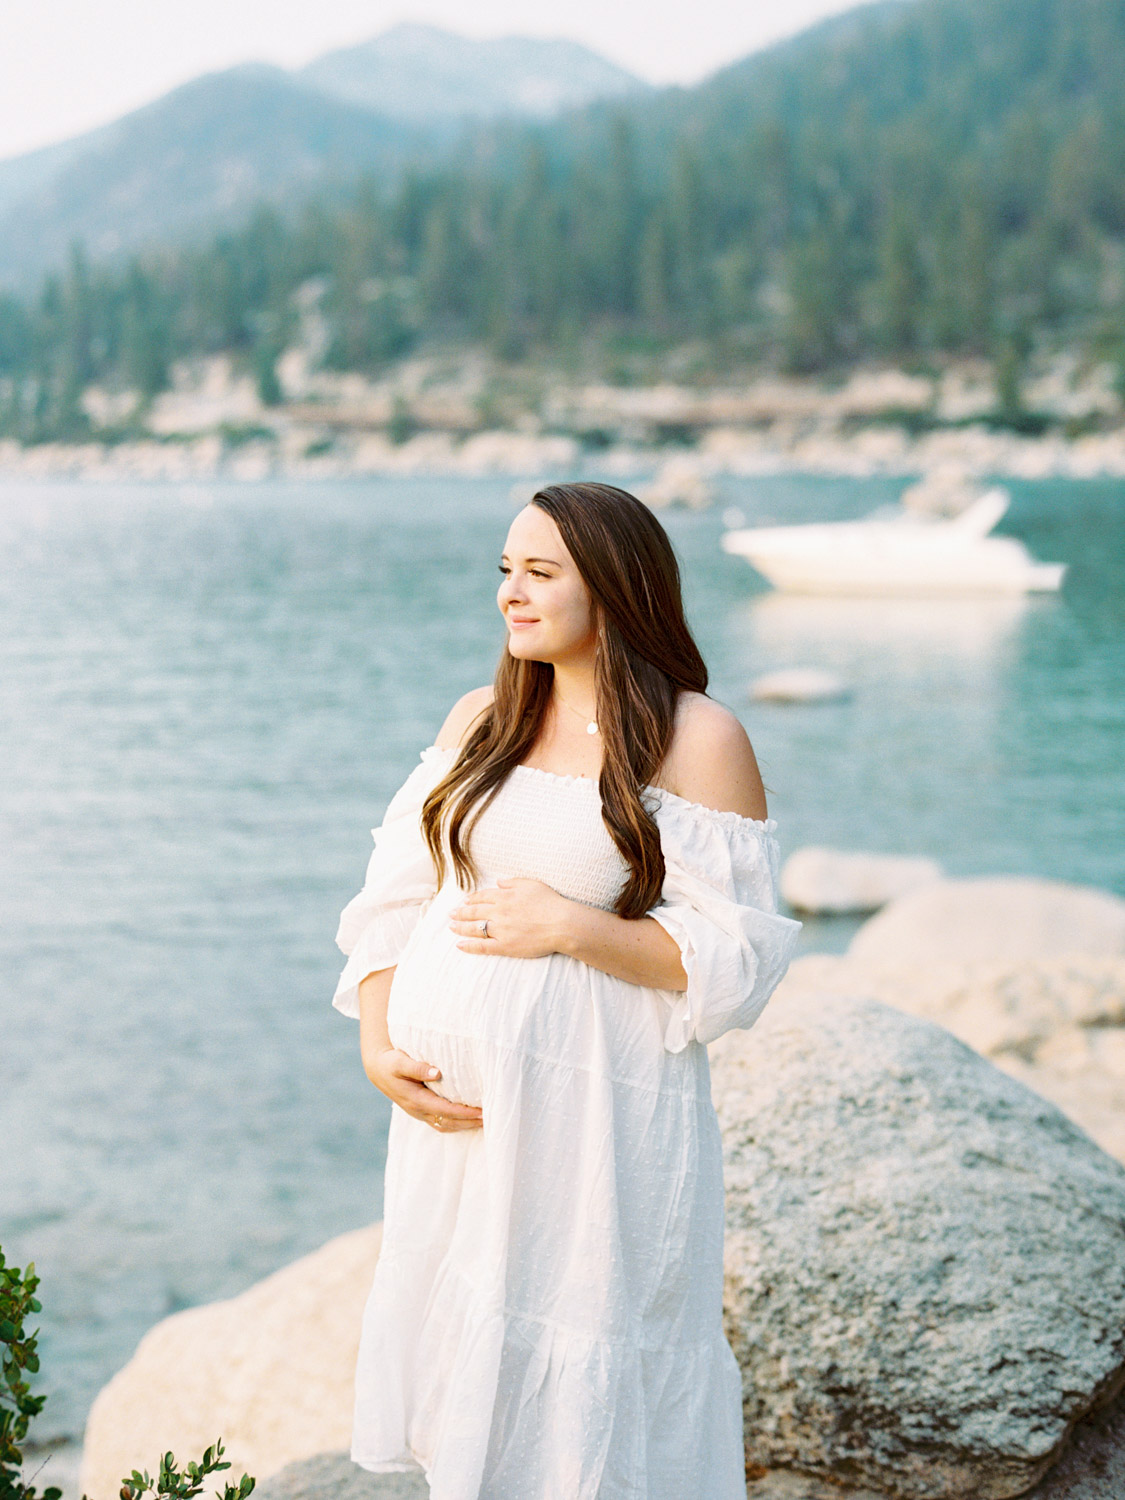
526, 919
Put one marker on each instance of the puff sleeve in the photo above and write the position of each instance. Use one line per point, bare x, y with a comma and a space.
719, 903
377, 923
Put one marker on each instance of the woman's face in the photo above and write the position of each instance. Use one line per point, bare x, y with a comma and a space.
546, 606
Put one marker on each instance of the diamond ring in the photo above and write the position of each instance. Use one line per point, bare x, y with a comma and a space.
439, 1121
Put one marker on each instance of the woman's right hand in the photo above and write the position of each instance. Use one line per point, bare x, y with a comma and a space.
403, 1079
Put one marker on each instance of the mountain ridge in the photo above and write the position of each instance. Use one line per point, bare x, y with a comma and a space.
126, 184
185, 162
415, 72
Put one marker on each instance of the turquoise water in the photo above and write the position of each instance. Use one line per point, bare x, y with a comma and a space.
208, 695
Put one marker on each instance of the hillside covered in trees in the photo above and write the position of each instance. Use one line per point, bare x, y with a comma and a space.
189, 164
916, 180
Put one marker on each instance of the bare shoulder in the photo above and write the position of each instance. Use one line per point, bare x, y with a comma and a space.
711, 760
462, 716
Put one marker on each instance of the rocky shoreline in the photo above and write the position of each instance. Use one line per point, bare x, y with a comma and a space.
925, 1262
723, 451
462, 418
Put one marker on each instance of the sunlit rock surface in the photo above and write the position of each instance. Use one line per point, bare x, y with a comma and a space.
270, 1372
834, 881
995, 918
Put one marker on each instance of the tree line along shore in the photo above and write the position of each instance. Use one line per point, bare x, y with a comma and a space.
909, 187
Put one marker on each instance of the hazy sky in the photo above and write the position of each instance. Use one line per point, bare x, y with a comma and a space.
66, 65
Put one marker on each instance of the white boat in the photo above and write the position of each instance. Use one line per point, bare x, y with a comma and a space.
898, 552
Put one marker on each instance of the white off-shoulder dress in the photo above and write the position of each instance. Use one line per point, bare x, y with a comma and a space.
545, 1321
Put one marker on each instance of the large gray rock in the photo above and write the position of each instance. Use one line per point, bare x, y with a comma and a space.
1000, 918
836, 881
333, 1476
1056, 1024
925, 1260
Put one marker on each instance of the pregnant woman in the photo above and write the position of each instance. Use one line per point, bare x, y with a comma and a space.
570, 895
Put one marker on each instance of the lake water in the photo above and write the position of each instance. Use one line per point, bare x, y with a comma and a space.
209, 694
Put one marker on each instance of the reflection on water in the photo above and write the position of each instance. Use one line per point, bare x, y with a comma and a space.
886, 768
862, 638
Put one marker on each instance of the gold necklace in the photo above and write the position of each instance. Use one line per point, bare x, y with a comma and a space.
591, 724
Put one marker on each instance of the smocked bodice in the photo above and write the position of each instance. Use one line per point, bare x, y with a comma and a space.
549, 827
718, 899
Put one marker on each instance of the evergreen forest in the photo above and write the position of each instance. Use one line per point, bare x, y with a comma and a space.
913, 181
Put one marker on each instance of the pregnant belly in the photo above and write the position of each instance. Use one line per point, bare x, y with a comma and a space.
467, 1013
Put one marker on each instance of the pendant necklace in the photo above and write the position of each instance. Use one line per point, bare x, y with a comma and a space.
591, 724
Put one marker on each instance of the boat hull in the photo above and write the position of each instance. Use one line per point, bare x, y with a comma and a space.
874, 558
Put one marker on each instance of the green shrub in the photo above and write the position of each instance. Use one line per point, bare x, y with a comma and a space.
18, 1406
172, 1481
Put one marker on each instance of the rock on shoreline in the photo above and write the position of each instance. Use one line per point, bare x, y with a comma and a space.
1009, 917
838, 882
906, 1227
783, 448
269, 1371
1056, 1024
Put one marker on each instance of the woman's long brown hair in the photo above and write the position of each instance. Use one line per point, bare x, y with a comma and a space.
644, 657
